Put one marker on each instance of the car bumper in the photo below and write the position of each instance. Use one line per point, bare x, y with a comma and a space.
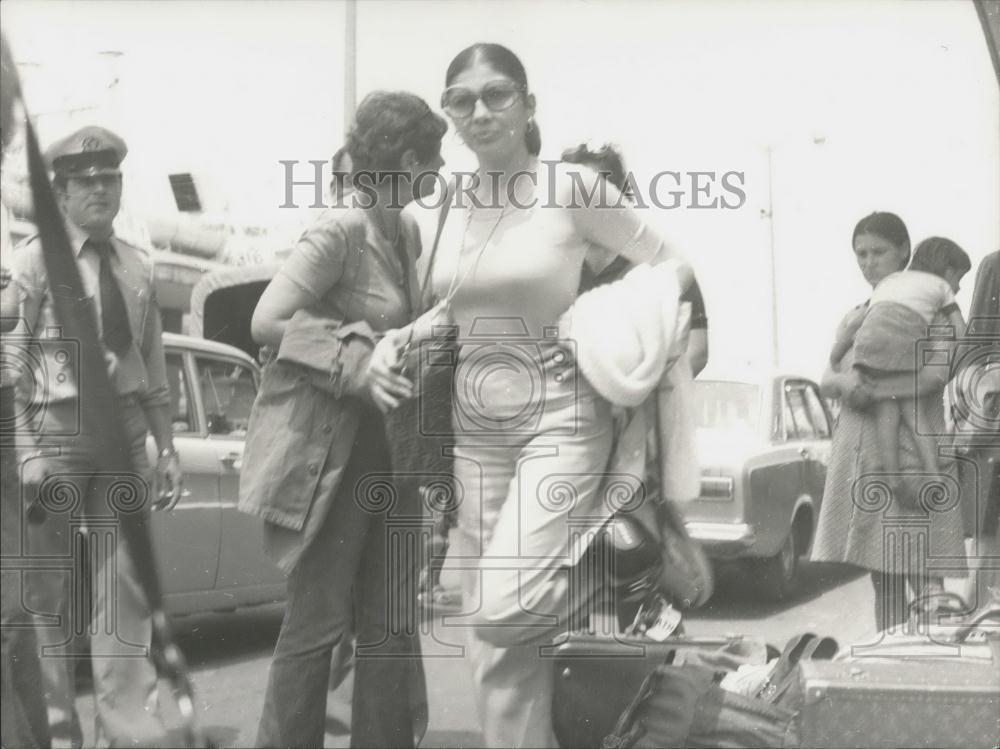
723, 539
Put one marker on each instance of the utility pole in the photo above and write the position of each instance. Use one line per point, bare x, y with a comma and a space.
771, 260
772, 252
350, 63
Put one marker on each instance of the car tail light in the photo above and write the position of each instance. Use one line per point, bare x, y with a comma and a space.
717, 487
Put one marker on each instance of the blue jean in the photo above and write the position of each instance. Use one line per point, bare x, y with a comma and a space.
365, 558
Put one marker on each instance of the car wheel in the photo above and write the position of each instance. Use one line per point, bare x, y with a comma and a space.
778, 574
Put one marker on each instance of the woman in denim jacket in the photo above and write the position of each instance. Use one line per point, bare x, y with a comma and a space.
316, 466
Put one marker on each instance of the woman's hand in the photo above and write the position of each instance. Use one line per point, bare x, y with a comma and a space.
386, 383
857, 395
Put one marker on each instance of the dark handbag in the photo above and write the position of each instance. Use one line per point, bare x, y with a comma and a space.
419, 432
598, 676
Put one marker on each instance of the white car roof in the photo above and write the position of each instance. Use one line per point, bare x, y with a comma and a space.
201, 345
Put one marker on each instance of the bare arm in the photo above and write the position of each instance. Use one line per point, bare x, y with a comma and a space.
697, 350
281, 299
608, 221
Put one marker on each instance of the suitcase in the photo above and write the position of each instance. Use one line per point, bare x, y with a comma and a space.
597, 676
885, 702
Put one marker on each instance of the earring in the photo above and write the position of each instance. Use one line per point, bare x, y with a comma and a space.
531, 124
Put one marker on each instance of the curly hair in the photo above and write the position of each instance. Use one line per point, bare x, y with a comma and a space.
386, 125
607, 160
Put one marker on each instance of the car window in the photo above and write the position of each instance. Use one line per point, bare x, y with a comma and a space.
228, 389
816, 410
800, 426
727, 405
790, 432
181, 413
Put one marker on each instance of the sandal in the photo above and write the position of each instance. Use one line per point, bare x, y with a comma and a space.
940, 602
821, 649
778, 682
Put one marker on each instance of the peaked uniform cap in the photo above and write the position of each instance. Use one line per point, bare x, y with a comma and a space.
89, 151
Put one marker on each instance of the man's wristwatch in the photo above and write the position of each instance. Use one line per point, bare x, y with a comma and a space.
167, 452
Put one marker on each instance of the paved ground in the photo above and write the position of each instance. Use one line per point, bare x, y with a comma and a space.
229, 653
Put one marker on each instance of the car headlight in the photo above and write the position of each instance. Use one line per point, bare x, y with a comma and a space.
717, 487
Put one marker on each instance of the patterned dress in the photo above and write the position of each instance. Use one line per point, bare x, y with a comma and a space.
863, 524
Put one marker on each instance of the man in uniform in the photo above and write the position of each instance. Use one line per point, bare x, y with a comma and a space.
61, 470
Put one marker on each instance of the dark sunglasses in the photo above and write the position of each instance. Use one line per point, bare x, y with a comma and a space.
460, 102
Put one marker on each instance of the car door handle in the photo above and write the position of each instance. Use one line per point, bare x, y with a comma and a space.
232, 461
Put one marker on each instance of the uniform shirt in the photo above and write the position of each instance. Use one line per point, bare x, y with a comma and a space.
141, 371
923, 293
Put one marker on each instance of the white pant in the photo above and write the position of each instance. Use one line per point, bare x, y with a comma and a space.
525, 492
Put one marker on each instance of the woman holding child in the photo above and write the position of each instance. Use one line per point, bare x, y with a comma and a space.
888, 520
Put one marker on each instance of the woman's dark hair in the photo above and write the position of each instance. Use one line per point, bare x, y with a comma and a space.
505, 62
387, 125
607, 160
938, 254
342, 168
888, 226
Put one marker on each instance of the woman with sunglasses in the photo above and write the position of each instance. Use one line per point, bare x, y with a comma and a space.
532, 437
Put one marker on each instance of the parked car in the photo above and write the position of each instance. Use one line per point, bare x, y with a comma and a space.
764, 444
211, 555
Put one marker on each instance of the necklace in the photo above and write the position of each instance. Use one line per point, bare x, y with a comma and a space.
456, 283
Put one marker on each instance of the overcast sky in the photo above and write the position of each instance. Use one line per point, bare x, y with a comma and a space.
900, 96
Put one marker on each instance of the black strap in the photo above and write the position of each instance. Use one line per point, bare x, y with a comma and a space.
94, 389
404, 259
404, 264
442, 217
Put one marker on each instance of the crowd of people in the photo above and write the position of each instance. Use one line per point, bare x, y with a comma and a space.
497, 282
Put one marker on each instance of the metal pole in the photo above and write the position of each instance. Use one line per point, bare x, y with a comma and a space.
772, 262
350, 63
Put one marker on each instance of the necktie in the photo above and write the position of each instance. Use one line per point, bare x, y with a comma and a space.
117, 334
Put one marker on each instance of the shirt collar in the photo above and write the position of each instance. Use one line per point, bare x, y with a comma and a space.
78, 237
